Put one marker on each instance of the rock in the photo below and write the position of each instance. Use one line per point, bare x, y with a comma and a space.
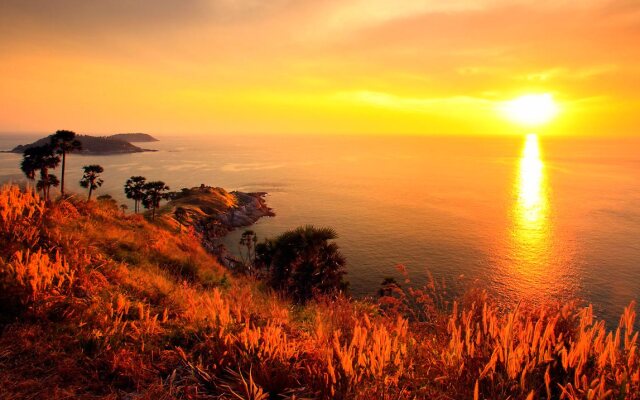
213, 212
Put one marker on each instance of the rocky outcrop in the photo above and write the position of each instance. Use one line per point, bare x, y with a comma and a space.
213, 212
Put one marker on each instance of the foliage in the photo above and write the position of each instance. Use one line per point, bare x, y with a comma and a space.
248, 242
108, 200
40, 158
180, 214
91, 178
134, 189
106, 315
153, 193
64, 142
303, 262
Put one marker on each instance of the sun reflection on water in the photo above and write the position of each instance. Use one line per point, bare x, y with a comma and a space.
531, 223
531, 207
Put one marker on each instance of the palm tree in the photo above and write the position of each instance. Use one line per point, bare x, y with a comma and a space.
248, 240
134, 189
91, 178
64, 142
304, 261
40, 158
154, 192
52, 181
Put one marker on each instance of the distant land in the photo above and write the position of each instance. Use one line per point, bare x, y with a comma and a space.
133, 137
114, 144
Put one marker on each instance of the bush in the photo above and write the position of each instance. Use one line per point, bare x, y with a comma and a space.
303, 262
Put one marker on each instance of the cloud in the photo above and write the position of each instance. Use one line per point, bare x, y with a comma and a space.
76, 16
416, 104
298, 65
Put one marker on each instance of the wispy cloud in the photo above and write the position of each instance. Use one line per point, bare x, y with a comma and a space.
306, 65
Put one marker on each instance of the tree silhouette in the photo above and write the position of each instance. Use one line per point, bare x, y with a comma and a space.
180, 214
134, 189
40, 158
303, 262
248, 240
64, 142
154, 192
91, 178
52, 181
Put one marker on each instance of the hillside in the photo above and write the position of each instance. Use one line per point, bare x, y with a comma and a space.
91, 145
213, 212
133, 137
98, 304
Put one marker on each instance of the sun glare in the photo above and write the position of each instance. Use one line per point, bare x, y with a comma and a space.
531, 109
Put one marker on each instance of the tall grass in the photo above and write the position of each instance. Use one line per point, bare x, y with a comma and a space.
116, 319
21, 214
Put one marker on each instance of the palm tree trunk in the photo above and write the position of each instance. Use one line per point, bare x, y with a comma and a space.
44, 176
64, 159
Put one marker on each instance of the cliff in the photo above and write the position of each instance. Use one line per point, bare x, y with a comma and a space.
213, 212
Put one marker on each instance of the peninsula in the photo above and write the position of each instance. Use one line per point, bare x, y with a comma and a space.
213, 212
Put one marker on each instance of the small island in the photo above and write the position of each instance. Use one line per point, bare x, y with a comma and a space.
95, 144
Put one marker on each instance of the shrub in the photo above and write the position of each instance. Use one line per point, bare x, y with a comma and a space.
303, 262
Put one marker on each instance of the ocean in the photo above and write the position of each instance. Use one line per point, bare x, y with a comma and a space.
528, 218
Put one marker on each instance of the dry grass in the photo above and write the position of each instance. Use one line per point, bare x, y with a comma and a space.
117, 307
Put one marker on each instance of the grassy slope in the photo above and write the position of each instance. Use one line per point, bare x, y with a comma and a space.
197, 204
95, 304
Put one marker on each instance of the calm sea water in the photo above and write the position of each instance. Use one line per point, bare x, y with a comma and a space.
528, 218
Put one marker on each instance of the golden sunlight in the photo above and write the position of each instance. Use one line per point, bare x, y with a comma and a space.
531, 191
531, 224
531, 109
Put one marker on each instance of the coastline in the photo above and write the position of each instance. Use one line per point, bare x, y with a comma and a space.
213, 212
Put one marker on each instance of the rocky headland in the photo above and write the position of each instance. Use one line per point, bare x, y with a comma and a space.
213, 212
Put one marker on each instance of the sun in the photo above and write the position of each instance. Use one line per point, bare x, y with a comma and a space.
531, 109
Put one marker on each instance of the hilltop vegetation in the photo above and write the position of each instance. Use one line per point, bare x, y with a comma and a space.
99, 304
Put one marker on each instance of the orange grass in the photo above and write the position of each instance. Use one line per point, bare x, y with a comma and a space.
118, 307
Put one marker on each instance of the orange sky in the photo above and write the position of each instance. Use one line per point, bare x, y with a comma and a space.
316, 66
